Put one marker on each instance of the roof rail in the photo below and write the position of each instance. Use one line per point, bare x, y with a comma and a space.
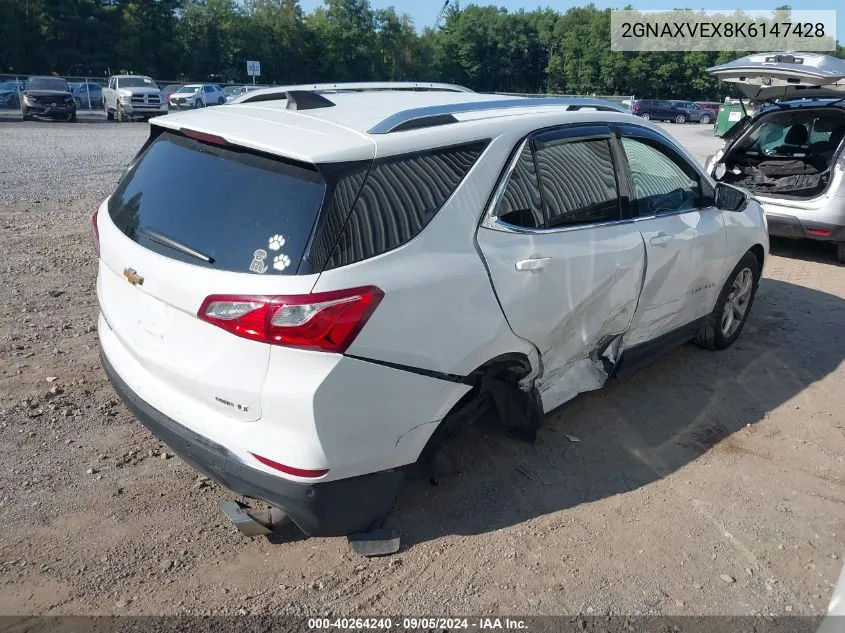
278, 92
429, 116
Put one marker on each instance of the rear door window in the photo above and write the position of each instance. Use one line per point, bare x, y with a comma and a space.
219, 207
578, 181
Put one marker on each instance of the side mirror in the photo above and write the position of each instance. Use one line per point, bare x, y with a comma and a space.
729, 198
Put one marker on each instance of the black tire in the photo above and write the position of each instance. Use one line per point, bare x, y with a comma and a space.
121, 115
72, 117
646, 116
198, 104
221, 101
840, 252
24, 115
712, 334
681, 118
705, 118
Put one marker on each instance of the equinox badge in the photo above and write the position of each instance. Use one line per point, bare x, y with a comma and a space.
133, 277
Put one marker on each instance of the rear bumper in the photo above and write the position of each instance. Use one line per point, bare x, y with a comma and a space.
795, 228
334, 508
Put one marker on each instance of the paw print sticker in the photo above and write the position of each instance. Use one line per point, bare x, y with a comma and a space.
280, 262
276, 242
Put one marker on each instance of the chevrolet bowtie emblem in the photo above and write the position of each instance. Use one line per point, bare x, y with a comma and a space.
133, 277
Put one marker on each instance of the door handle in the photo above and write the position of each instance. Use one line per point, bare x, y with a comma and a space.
661, 239
535, 263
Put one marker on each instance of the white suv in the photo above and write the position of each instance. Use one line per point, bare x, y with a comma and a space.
192, 96
302, 294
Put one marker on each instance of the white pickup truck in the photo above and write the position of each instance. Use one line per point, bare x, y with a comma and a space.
126, 97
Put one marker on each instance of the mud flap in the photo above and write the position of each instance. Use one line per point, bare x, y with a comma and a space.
376, 543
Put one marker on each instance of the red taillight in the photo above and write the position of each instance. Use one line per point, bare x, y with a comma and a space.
95, 233
821, 232
325, 321
636, 108
290, 470
202, 136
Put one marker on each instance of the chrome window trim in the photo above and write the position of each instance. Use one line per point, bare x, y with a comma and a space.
496, 224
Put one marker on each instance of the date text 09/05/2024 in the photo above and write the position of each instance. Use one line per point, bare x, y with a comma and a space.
420, 623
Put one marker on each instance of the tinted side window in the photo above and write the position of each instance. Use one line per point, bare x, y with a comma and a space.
330, 223
520, 203
661, 185
578, 181
399, 198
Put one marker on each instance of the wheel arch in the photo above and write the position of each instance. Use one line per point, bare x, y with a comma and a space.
760, 253
504, 384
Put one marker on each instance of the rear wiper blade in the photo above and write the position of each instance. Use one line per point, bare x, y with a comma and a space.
164, 240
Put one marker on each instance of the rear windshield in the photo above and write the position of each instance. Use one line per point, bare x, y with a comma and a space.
218, 207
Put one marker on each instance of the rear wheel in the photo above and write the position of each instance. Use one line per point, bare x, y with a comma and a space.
221, 101
198, 103
705, 118
681, 118
646, 116
840, 252
724, 324
72, 117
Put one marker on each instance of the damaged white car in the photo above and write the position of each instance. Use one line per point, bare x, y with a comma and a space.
305, 294
789, 154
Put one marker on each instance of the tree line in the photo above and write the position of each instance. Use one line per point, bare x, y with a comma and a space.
483, 47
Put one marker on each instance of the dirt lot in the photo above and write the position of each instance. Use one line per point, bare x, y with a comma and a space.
707, 483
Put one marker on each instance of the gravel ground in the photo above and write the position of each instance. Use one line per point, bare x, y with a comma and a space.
706, 483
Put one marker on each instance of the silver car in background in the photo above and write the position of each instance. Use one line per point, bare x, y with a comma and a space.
790, 154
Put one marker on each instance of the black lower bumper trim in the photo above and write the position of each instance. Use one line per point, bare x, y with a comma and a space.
791, 227
335, 508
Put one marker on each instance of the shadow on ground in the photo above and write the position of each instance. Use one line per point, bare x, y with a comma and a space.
640, 428
806, 250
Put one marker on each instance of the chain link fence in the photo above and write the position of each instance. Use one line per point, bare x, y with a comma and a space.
87, 91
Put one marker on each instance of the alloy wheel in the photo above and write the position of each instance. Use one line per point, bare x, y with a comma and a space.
736, 305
